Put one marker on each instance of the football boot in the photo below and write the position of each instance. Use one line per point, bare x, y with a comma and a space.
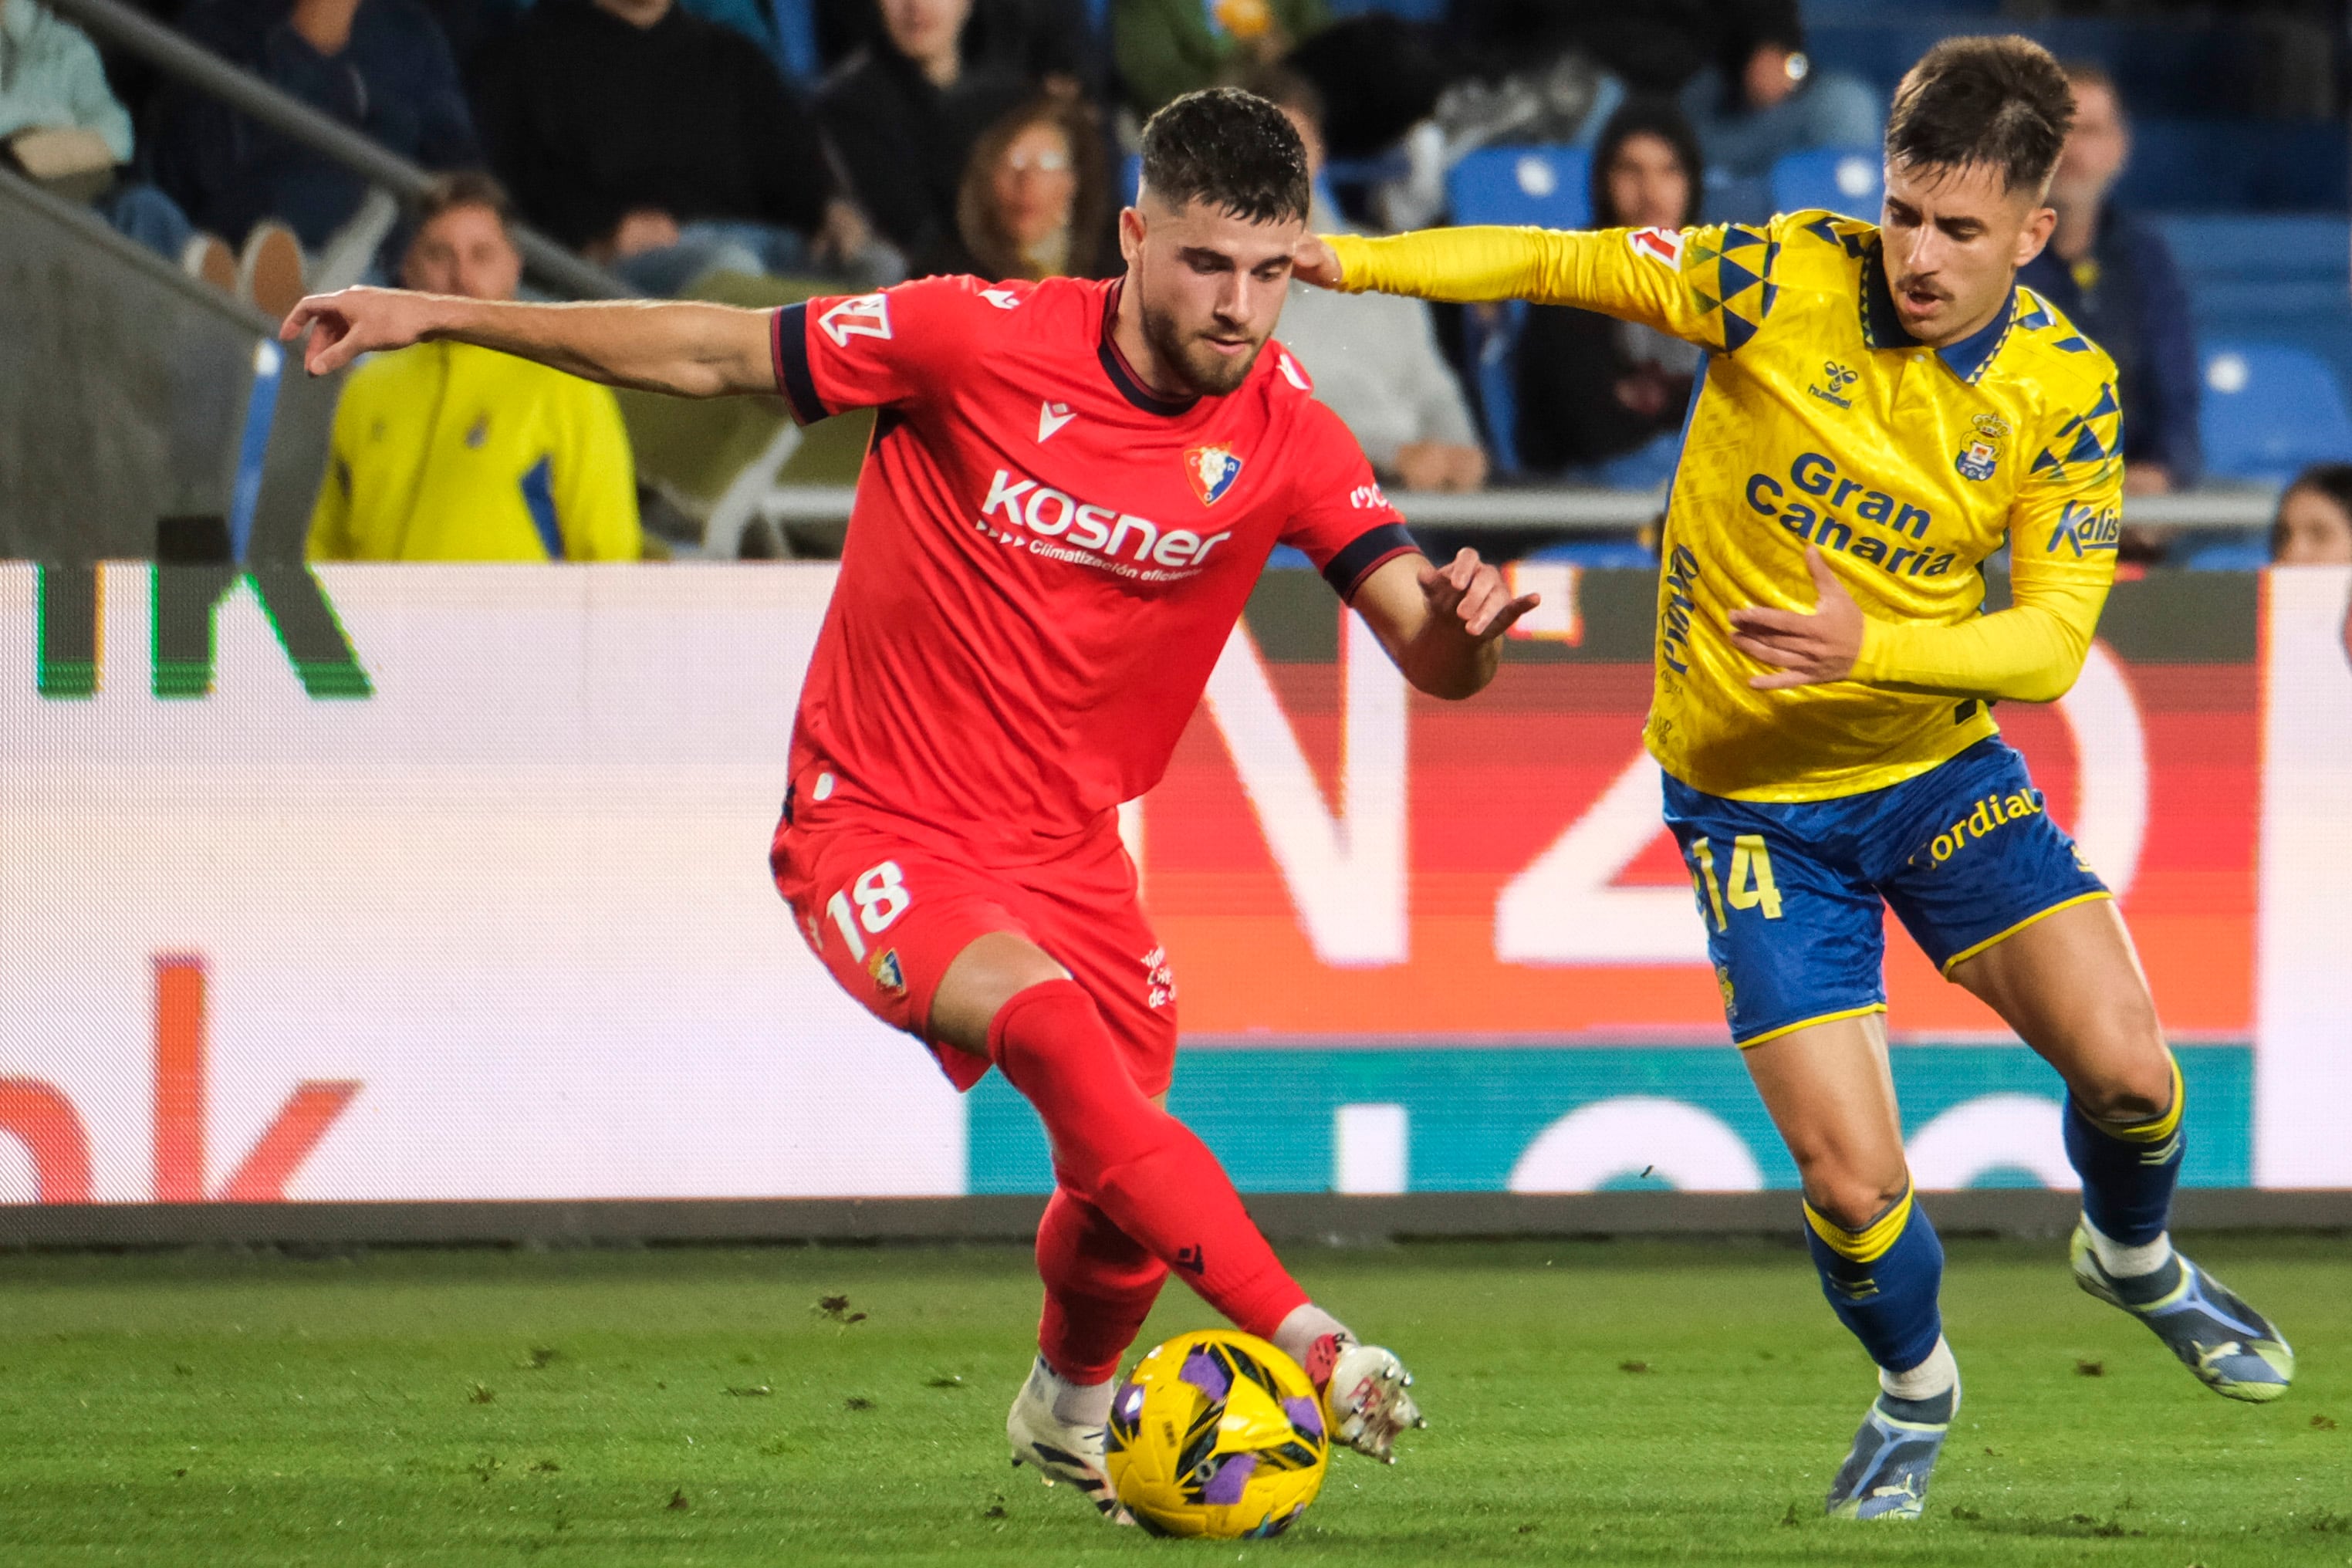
2232, 1349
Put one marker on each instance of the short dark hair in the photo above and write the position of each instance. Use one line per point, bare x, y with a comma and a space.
465, 188
1231, 149
2001, 103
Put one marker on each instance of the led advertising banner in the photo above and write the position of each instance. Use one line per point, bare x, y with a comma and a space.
417, 883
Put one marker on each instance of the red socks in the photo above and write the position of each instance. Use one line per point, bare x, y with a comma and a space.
1099, 1287
1145, 1173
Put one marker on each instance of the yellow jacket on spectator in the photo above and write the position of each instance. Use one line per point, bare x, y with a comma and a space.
448, 452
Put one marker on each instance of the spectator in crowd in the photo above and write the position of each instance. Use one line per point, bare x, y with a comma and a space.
1764, 100
904, 113
1049, 42
1035, 198
446, 452
667, 147
379, 67
1378, 369
1600, 398
61, 124
2113, 277
2314, 518
1166, 48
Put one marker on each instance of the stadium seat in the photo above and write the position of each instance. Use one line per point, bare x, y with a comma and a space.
1490, 339
2283, 165
1846, 180
1597, 554
1548, 186
2269, 411
2250, 555
1131, 178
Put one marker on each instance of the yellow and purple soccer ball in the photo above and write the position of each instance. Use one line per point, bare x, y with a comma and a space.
1216, 1434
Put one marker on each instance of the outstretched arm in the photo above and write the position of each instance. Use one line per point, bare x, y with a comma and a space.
684, 348
1442, 626
1707, 285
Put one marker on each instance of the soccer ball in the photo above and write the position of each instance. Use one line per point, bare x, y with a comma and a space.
1216, 1434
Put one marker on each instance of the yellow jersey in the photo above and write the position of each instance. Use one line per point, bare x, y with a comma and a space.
1820, 420
449, 452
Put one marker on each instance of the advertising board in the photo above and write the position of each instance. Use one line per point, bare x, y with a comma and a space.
427, 883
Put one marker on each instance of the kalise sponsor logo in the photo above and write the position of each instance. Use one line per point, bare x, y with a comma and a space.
1058, 526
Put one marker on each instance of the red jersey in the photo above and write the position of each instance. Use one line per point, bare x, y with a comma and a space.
1044, 558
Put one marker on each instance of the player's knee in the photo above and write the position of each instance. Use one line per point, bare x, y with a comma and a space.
1853, 1198
2137, 1090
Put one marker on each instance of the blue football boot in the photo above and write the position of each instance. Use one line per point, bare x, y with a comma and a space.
2232, 1349
1885, 1475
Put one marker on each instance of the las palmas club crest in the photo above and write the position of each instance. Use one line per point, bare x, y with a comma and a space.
1213, 471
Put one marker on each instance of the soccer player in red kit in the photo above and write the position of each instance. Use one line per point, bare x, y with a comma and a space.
1072, 488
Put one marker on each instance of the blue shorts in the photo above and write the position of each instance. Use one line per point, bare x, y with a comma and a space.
1964, 853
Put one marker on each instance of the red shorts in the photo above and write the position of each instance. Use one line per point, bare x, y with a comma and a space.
887, 905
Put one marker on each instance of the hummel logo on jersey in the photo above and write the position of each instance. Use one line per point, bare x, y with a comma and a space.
1663, 246
1213, 471
1052, 417
1003, 299
1839, 377
866, 316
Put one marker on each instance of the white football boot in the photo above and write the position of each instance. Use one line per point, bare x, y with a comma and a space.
1365, 1396
1060, 1451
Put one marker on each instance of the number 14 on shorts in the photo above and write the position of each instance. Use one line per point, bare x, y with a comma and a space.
881, 895
1749, 885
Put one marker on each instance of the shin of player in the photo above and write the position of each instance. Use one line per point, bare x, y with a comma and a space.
1137, 1194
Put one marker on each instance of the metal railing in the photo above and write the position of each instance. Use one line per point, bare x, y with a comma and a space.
175, 56
1573, 510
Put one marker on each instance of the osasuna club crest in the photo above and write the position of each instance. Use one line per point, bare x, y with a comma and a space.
1213, 471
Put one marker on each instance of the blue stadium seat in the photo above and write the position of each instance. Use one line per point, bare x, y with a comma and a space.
2268, 277
1597, 554
1547, 186
1490, 338
1846, 180
1131, 178
2175, 66
2250, 554
2269, 411
2261, 165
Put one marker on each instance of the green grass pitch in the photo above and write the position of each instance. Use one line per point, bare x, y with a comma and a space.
1634, 1403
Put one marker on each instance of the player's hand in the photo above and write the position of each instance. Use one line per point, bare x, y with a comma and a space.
1467, 593
1313, 261
355, 322
1804, 649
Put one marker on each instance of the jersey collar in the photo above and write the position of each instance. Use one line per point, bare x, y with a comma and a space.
1883, 329
1123, 376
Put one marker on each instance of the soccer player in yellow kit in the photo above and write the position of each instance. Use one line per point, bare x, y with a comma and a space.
1881, 409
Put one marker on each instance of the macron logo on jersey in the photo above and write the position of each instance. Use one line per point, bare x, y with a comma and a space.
1663, 246
1025, 515
1052, 417
866, 316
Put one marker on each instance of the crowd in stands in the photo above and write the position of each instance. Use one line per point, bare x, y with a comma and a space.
851, 144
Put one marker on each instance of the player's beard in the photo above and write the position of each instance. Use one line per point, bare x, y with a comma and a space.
1203, 371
